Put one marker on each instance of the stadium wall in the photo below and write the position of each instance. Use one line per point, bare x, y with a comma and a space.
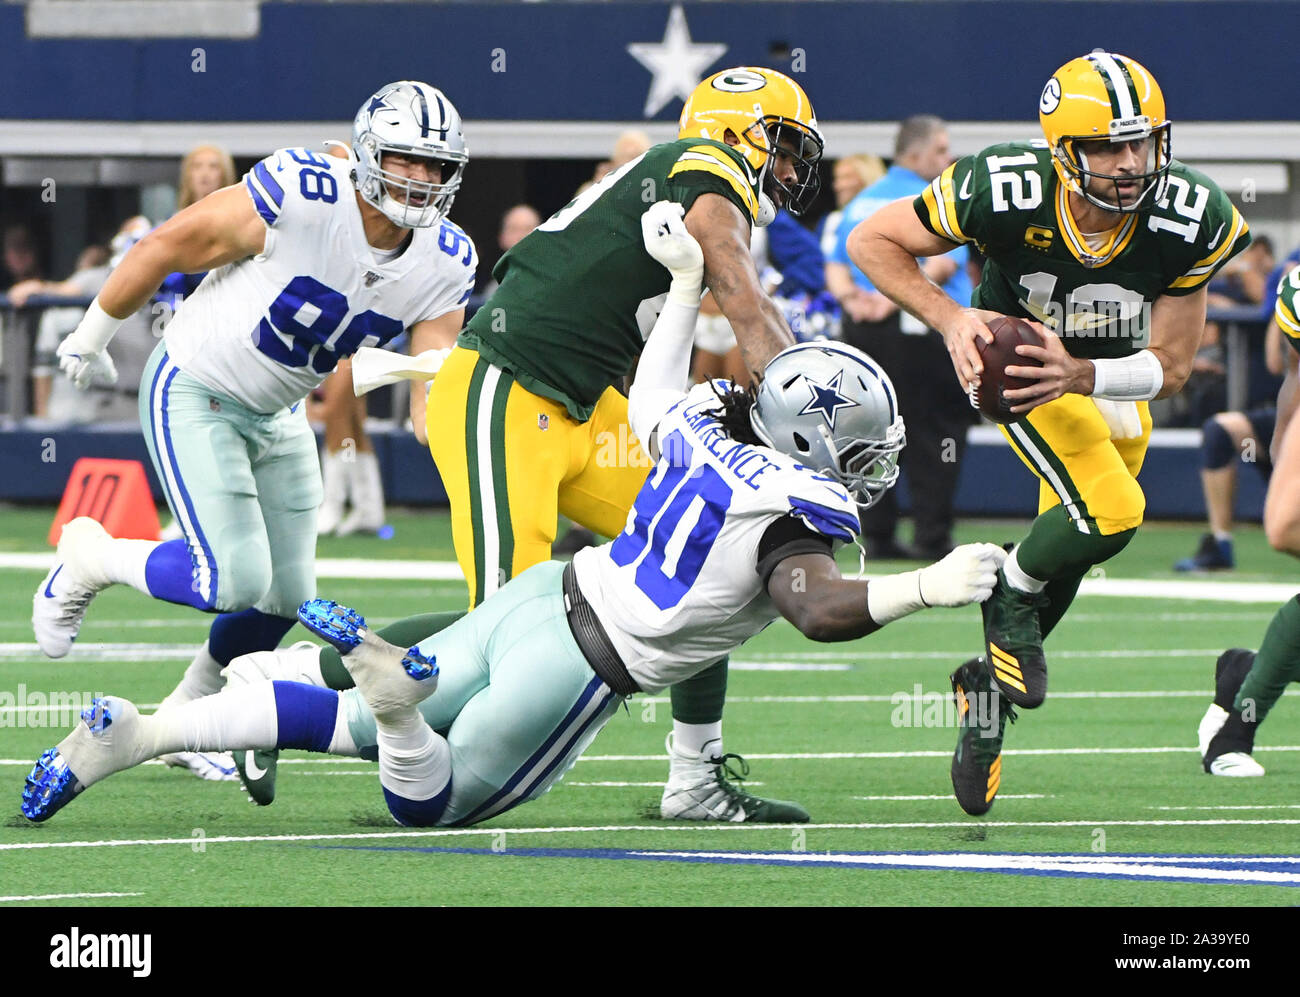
993, 482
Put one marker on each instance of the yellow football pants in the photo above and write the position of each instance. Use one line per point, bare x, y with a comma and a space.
1067, 444
511, 461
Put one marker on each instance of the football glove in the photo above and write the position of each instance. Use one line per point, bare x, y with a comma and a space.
1121, 417
664, 233
83, 364
966, 574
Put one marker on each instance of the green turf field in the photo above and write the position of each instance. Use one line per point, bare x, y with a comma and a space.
1107, 768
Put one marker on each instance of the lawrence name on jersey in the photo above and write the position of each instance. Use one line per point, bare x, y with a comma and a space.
735, 526
311, 256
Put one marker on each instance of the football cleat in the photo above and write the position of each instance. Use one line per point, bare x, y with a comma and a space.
256, 769
982, 713
104, 741
1225, 738
701, 788
372, 662
61, 600
1013, 643
211, 766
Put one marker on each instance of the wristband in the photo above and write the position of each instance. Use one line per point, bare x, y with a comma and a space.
894, 596
97, 328
686, 288
1136, 378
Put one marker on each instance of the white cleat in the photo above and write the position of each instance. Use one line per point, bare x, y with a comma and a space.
1236, 764
60, 603
380, 670
210, 766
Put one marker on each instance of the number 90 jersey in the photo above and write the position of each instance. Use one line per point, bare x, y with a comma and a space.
267, 329
1008, 200
683, 586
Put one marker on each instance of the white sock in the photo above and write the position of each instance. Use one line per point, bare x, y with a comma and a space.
1016, 576
237, 719
1222, 535
201, 678
414, 761
125, 560
694, 738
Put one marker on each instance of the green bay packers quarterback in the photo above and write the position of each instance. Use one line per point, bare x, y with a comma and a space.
1101, 236
523, 421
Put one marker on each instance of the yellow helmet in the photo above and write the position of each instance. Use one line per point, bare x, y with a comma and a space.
762, 108
1106, 96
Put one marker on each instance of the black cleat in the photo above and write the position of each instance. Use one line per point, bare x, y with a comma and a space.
982, 713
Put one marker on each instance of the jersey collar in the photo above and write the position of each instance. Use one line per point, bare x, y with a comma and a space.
1078, 245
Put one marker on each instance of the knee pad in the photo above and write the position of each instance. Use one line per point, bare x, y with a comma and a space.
244, 582
1115, 500
1216, 445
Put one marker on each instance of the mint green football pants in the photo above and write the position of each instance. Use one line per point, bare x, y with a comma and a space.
516, 699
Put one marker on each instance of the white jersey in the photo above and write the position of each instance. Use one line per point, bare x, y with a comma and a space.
267, 329
681, 586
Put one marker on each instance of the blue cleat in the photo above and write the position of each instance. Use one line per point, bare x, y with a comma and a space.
342, 627
51, 785
345, 629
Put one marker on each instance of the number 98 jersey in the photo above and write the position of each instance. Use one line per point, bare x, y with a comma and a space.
686, 582
1008, 200
267, 329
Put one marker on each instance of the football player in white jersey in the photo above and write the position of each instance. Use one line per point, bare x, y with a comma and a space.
735, 526
311, 256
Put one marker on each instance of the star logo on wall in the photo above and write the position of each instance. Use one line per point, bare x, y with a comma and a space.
678, 64
826, 398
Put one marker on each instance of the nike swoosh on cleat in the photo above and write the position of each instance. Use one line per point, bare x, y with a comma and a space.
48, 593
251, 768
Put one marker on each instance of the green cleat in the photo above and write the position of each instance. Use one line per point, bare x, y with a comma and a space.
1013, 643
977, 762
256, 770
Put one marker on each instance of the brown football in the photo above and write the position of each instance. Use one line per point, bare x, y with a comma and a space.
1008, 333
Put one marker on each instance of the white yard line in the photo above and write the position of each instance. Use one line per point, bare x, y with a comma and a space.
66, 896
666, 828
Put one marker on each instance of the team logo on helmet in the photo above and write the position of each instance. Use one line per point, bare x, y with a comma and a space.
739, 81
1051, 98
826, 398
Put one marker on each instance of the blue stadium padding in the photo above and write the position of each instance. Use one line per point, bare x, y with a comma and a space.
528, 61
993, 482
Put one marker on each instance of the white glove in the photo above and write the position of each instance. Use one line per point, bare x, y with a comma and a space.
1121, 417
667, 240
83, 364
967, 574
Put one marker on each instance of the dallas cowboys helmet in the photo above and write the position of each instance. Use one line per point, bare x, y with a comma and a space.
832, 408
412, 119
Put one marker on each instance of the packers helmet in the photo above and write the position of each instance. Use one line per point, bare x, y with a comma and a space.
764, 109
1106, 96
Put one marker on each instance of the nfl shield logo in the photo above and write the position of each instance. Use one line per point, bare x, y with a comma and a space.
543, 421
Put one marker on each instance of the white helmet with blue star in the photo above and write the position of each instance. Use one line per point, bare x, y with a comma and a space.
832, 408
408, 118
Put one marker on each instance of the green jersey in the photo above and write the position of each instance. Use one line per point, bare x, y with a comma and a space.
1094, 292
1288, 307
579, 294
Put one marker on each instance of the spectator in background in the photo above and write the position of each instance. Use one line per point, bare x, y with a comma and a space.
22, 257
627, 147
1229, 436
205, 168
851, 175
516, 223
932, 404
58, 399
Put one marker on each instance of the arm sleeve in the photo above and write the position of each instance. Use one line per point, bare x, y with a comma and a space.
663, 370
786, 537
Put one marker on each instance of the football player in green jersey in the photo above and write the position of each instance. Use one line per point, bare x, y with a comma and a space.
523, 422
1248, 684
1108, 242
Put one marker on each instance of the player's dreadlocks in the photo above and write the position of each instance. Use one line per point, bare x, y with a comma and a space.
735, 403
